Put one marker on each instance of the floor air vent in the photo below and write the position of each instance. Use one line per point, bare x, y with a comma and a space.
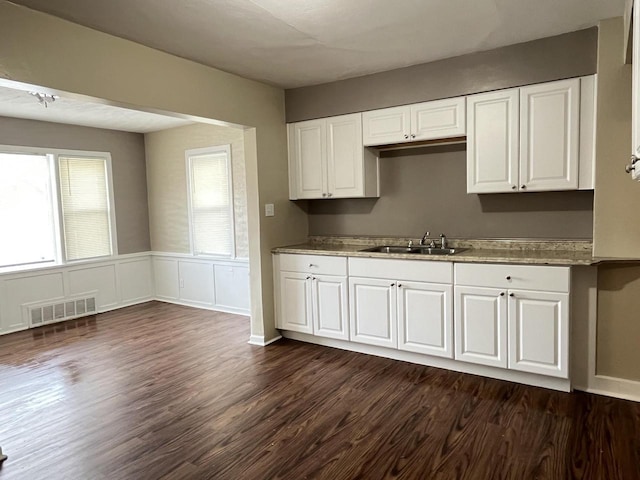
44, 313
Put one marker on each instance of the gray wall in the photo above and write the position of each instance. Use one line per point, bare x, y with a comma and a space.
128, 165
426, 189
563, 56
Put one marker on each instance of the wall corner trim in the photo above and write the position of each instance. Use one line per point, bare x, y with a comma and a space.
260, 341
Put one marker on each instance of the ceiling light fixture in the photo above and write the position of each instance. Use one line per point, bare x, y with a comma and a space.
44, 98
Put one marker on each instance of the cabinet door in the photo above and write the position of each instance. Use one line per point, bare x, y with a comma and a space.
550, 136
481, 326
386, 126
635, 107
330, 310
310, 158
295, 302
538, 332
424, 318
492, 142
438, 119
345, 161
373, 311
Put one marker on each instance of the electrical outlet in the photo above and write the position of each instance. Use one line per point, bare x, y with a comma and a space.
269, 210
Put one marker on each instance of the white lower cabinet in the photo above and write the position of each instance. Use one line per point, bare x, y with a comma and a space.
425, 318
510, 327
513, 317
402, 304
313, 295
330, 312
481, 326
538, 332
373, 311
295, 302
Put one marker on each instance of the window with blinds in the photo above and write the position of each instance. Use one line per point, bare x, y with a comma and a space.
84, 203
55, 206
211, 201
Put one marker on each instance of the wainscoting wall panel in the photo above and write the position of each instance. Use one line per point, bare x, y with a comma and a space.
127, 280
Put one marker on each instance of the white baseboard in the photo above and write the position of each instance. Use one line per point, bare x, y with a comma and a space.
261, 342
560, 384
614, 387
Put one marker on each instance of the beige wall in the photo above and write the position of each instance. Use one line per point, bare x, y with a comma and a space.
167, 183
427, 189
618, 352
563, 56
616, 228
42, 50
127, 162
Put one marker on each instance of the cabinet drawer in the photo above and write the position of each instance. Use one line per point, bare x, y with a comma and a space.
320, 264
526, 277
410, 270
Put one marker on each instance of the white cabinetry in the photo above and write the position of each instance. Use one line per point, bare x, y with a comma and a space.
327, 159
550, 136
409, 123
513, 316
313, 295
402, 304
635, 108
529, 138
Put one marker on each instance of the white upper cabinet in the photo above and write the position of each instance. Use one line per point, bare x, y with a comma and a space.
550, 136
409, 123
534, 138
327, 159
492, 142
308, 151
386, 126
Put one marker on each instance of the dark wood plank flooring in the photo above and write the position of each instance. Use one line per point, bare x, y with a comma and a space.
160, 391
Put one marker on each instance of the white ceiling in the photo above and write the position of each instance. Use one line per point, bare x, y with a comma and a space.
294, 43
21, 104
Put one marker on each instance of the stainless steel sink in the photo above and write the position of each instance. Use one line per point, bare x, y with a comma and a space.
414, 250
390, 249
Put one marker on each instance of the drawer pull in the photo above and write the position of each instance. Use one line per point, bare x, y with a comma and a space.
511, 295
312, 265
308, 277
393, 284
508, 277
502, 294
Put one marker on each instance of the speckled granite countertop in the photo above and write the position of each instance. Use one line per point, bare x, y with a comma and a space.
532, 252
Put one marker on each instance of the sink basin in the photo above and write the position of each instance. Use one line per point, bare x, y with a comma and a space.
414, 250
438, 251
390, 249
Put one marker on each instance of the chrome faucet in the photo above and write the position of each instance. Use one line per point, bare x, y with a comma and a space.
425, 237
443, 240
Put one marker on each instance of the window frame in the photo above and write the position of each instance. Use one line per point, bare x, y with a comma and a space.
194, 152
52, 155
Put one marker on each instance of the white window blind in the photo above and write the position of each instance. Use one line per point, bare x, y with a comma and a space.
26, 210
211, 205
85, 207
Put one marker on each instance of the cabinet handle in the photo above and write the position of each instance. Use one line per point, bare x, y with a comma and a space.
308, 277
406, 136
329, 194
312, 265
324, 194
513, 187
400, 285
508, 277
313, 278
502, 294
413, 135
511, 295
393, 284
523, 187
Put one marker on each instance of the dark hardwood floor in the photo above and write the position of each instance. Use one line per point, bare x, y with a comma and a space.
160, 391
